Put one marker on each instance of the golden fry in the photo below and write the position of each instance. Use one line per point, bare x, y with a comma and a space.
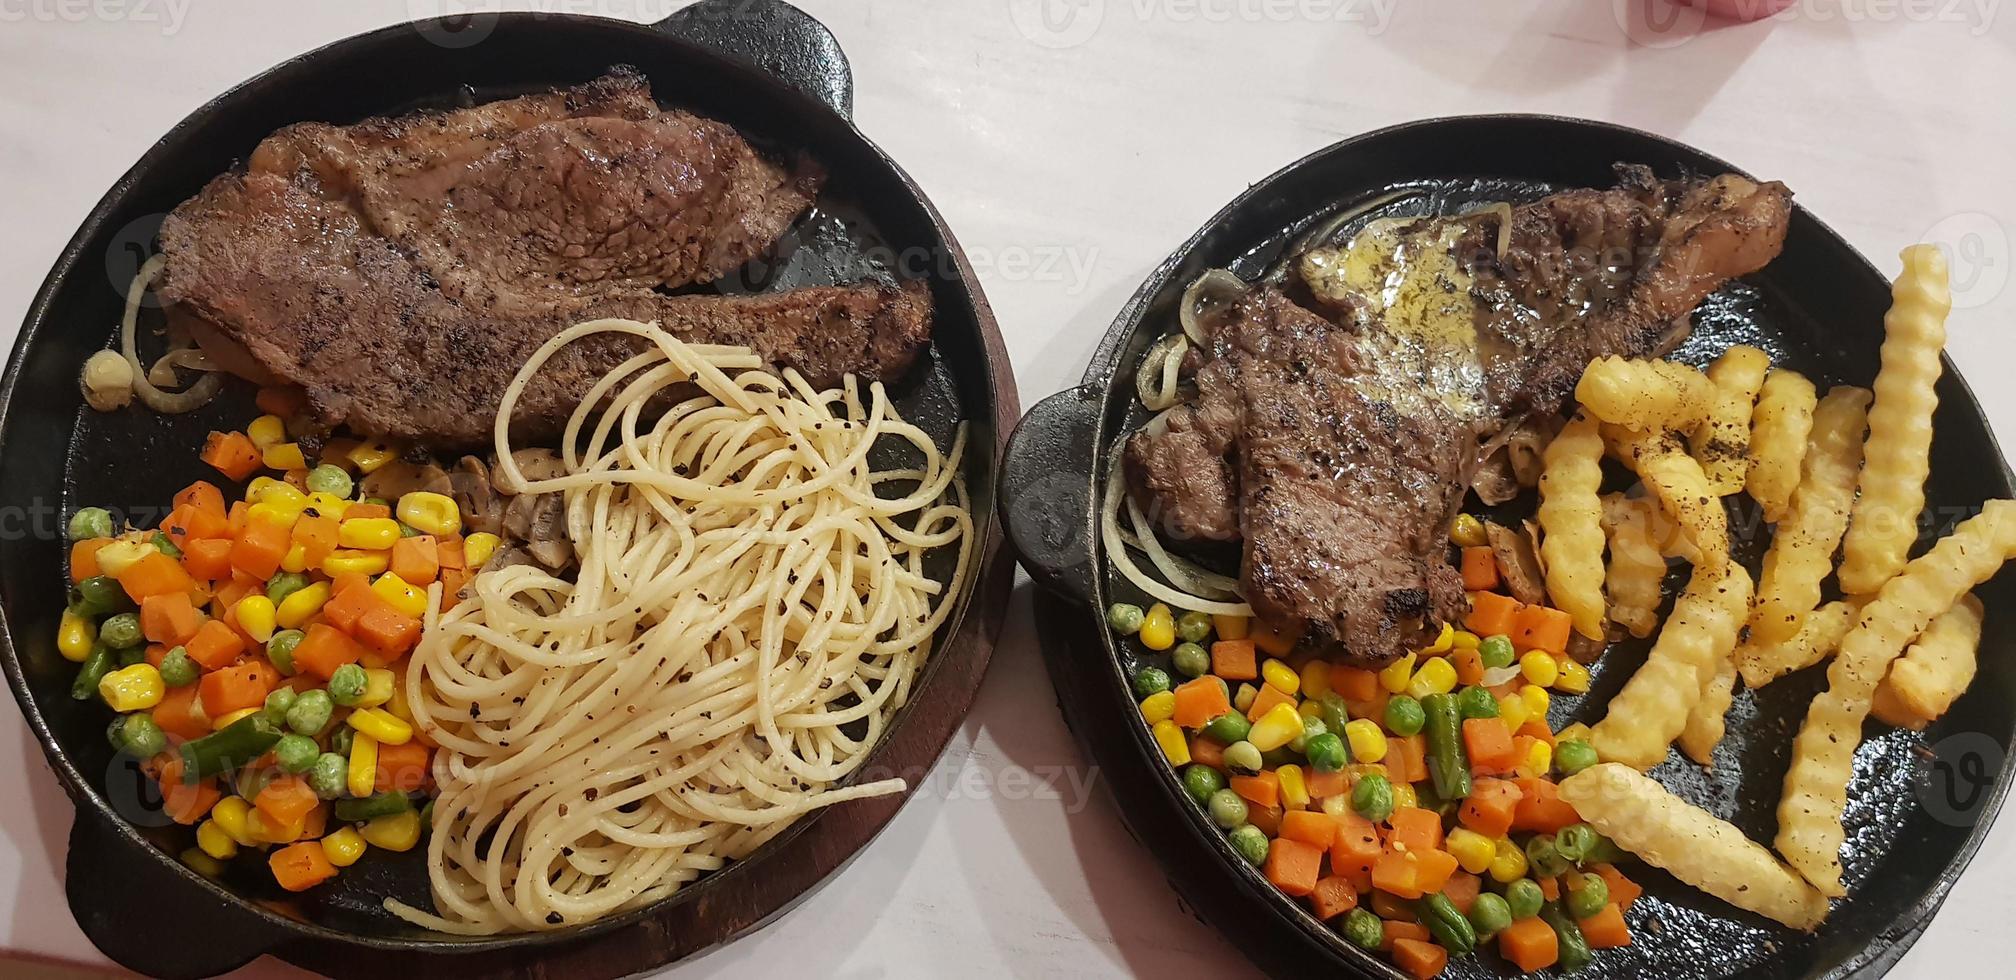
1645, 394
1930, 676
1660, 460
1802, 552
1637, 569
1709, 720
1571, 515
1652, 709
1762, 663
1778, 432
1722, 443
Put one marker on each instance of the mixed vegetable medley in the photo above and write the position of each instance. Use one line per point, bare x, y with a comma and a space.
253, 650
1414, 808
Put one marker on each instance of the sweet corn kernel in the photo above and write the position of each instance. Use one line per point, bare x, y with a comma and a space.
265, 431
281, 512
1538, 667
295, 560
1436, 676
1396, 675
1512, 708
74, 636
328, 505
397, 705
1158, 630
1508, 864
201, 863
1276, 728
1574, 677
394, 832
229, 815
1368, 743
1540, 758
1158, 707
1359, 770
1280, 677
219, 724
432, 513
371, 455
347, 560
1294, 788
135, 688
301, 604
1242, 698
1315, 679
1468, 532
1404, 795
1310, 709
1465, 640
1577, 732
1537, 701
381, 726
1175, 747
379, 683
343, 847
215, 842
1443, 640
256, 615
265, 831
284, 456
1473, 851
400, 595
368, 533
362, 776
477, 548
1231, 627
260, 486
115, 558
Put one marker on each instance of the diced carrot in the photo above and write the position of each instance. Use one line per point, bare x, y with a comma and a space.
1402, 930
1432, 870
1206, 752
232, 688
449, 551
358, 511
402, 767
1408, 758
1234, 660
1263, 787
453, 579
1490, 806
1265, 701
1530, 944
1322, 784
1623, 891
298, 479
232, 453
207, 559
317, 535
1394, 874
1311, 827
1414, 829
1418, 959
1537, 728
287, 800
1469, 665
301, 866
1353, 683
1480, 568
1333, 897
1489, 744
1541, 807
1355, 849
157, 654
259, 548
192, 523
236, 517
1542, 628
1550, 889
1266, 819
1522, 755
202, 495
154, 574
1372, 707
1273, 642
345, 581
285, 401
1461, 889
1606, 929
1198, 700
169, 618
416, 560
185, 802
1491, 614
324, 649
348, 604
1293, 866
84, 558
179, 715
388, 631
215, 646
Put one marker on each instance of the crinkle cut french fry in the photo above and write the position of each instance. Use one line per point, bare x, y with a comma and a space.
1722, 443
1898, 455
1692, 844
1778, 432
1823, 756
1802, 550
1654, 394
1709, 720
1676, 479
1762, 663
1571, 514
1637, 569
1926, 680
1652, 709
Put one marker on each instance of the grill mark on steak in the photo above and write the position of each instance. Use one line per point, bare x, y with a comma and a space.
402, 269
1338, 475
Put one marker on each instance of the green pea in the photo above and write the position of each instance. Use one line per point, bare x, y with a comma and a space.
1311, 727
140, 737
91, 522
1228, 728
284, 584
177, 670
1200, 781
346, 685
1543, 857
280, 649
1405, 716
166, 545
1604, 851
1489, 915
1148, 682
329, 775
1476, 702
1193, 627
121, 631
99, 595
1228, 810
1244, 756
1372, 797
327, 478
296, 754
1327, 753
278, 702
1495, 651
1363, 929
1336, 714
1276, 758
1573, 756
1125, 618
310, 712
341, 740
1191, 660
1575, 841
1587, 895
1250, 843
1523, 898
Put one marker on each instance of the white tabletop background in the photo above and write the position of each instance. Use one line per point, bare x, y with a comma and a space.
1071, 153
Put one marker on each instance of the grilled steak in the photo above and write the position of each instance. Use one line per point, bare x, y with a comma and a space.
401, 270
1339, 420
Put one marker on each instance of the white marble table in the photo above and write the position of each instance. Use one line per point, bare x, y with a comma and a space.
1070, 154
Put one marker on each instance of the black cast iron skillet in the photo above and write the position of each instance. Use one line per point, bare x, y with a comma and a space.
1920, 804
760, 65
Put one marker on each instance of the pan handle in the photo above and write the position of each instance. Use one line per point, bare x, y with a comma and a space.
1046, 490
142, 913
776, 37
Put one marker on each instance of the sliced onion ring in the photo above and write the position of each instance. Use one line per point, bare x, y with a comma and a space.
1207, 295
165, 402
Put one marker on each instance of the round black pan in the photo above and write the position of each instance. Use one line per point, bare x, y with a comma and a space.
1920, 804
760, 65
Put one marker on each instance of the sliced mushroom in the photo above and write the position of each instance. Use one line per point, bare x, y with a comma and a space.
1518, 563
533, 464
539, 523
399, 478
482, 511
